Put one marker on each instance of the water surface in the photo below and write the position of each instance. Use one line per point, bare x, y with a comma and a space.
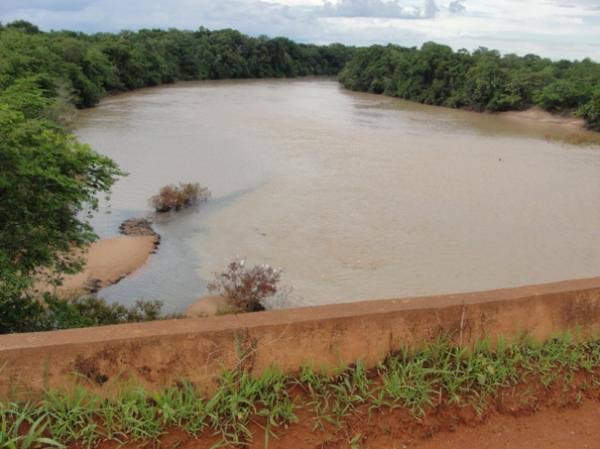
356, 196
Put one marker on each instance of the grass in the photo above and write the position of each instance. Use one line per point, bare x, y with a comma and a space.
333, 398
439, 374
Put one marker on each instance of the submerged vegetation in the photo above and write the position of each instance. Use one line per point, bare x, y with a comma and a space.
412, 384
247, 288
483, 80
172, 197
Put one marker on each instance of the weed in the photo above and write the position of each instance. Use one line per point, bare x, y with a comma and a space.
71, 417
417, 380
23, 427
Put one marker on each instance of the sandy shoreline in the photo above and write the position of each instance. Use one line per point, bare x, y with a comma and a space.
541, 116
107, 262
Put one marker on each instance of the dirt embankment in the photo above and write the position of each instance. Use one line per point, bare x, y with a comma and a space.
530, 416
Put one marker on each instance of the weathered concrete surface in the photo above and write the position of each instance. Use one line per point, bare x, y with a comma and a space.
159, 353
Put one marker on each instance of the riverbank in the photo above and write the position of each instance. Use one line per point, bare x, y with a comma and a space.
106, 263
536, 114
560, 127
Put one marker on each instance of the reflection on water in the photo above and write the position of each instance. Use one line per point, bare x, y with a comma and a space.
356, 196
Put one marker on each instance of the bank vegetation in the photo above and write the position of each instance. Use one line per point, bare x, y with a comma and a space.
483, 80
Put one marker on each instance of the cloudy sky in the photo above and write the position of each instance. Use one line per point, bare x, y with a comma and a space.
554, 28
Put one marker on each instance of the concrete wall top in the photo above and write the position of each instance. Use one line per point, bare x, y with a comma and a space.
160, 352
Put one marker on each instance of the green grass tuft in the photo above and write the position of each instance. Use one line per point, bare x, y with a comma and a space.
439, 374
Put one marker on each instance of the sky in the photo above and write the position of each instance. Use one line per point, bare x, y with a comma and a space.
552, 28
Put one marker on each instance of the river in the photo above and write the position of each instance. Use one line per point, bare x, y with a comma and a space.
356, 196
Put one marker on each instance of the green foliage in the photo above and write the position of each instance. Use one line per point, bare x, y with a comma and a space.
26, 95
591, 112
22, 426
70, 416
241, 397
92, 65
482, 81
370, 70
22, 313
19, 312
47, 180
437, 375
334, 398
407, 382
561, 95
92, 311
23, 25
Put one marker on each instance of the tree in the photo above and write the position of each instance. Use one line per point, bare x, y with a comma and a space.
47, 181
23, 25
591, 112
560, 95
26, 97
19, 311
483, 81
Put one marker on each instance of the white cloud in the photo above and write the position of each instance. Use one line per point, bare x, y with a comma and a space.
380, 8
554, 28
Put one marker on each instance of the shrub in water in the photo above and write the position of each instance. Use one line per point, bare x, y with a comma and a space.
172, 197
246, 287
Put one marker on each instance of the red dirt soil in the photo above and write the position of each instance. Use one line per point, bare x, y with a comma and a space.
562, 415
568, 427
549, 429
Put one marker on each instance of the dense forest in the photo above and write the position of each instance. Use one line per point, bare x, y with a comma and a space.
483, 80
87, 66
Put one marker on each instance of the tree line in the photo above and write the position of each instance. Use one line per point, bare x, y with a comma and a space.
89, 66
483, 80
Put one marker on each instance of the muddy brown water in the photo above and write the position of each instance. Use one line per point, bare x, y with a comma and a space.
356, 196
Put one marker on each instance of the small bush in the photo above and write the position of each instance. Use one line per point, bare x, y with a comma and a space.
172, 197
92, 311
246, 287
19, 310
52, 314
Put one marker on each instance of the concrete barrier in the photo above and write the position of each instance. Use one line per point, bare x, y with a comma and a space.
159, 353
